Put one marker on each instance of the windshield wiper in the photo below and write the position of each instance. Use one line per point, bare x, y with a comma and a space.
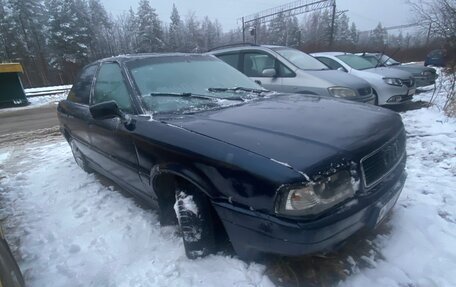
237, 89
180, 95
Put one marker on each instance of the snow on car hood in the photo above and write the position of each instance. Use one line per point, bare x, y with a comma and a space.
299, 130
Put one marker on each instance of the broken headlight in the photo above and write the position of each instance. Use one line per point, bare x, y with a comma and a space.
315, 197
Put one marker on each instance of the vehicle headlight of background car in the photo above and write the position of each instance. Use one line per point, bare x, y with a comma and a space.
341, 92
426, 73
315, 197
393, 81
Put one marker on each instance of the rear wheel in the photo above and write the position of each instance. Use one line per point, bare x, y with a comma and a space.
79, 157
193, 211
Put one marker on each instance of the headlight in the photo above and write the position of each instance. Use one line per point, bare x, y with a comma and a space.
393, 81
340, 92
426, 73
314, 198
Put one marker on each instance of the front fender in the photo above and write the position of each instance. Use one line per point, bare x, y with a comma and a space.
190, 174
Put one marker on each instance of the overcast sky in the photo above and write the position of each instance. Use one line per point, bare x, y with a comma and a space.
365, 13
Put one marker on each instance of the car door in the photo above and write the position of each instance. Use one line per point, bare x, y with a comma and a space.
74, 111
112, 146
257, 66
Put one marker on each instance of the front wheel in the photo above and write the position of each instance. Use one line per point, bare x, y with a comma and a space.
193, 211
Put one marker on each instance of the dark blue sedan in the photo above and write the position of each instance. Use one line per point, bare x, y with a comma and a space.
217, 154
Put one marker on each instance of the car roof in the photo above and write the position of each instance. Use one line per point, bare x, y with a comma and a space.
128, 57
243, 46
331, 53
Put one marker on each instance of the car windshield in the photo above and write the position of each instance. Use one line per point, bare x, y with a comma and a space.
356, 62
387, 61
191, 83
301, 59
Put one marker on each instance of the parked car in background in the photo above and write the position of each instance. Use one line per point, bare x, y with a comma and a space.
424, 76
280, 173
436, 58
391, 87
289, 70
10, 274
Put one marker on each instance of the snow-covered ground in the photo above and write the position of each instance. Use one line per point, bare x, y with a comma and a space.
70, 229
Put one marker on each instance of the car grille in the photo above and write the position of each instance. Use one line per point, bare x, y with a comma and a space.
379, 163
408, 82
365, 91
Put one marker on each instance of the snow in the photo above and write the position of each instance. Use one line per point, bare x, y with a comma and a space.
69, 228
43, 100
47, 89
75, 231
421, 248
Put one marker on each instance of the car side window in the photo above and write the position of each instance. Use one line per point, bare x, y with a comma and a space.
230, 59
255, 63
110, 86
80, 92
332, 64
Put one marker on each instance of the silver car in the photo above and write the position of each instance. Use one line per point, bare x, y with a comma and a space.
288, 70
391, 86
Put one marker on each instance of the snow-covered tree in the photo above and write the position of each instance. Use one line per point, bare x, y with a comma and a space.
68, 33
100, 31
378, 37
193, 39
278, 30
175, 31
354, 34
150, 32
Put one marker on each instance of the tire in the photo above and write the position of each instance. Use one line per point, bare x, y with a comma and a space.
193, 211
376, 98
79, 157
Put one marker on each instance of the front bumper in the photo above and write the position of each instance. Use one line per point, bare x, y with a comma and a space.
251, 232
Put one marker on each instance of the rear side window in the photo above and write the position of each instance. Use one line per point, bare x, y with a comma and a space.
333, 65
110, 86
230, 59
80, 93
256, 63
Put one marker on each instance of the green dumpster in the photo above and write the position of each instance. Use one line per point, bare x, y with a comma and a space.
11, 90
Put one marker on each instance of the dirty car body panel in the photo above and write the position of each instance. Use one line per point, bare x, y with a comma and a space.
246, 155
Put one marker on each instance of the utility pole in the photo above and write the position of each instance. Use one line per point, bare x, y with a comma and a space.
243, 30
333, 22
429, 33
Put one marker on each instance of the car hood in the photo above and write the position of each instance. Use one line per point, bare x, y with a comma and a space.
414, 69
389, 72
339, 78
299, 131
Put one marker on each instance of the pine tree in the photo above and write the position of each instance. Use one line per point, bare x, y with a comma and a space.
193, 39
150, 33
354, 34
278, 30
378, 37
175, 31
342, 33
68, 34
100, 30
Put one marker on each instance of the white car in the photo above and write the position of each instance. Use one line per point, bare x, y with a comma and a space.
391, 86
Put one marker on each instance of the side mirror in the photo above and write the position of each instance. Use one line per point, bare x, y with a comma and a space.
341, 69
258, 82
269, 73
109, 110
105, 110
